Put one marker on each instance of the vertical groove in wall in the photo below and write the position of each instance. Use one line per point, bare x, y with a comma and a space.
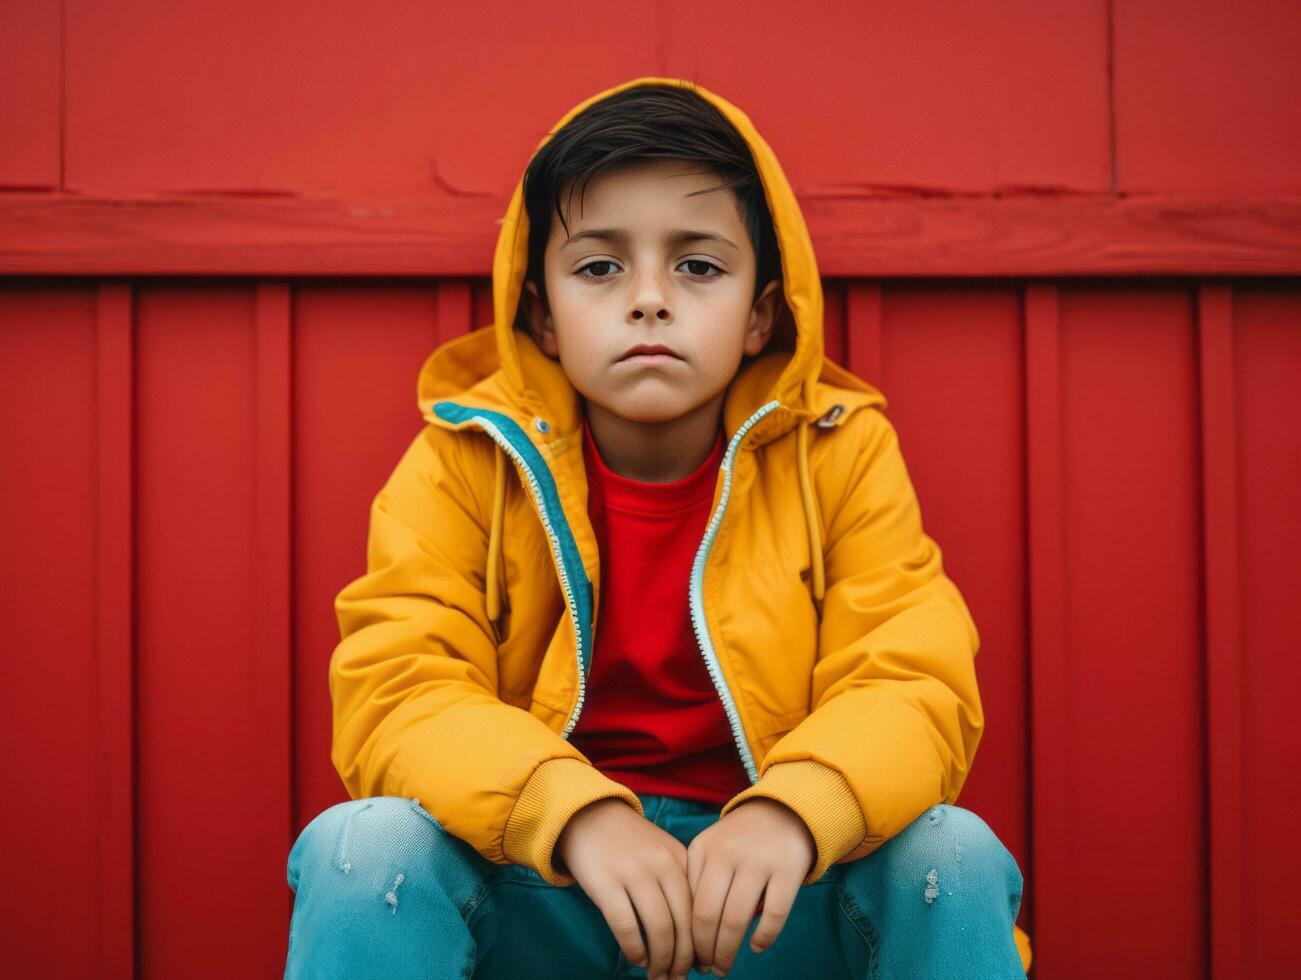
1111, 96
63, 95
115, 884
273, 543
863, 334
1051, 828
1223, 629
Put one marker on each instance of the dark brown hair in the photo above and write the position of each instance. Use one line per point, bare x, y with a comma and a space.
646, 122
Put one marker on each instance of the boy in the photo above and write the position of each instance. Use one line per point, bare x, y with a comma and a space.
653, 662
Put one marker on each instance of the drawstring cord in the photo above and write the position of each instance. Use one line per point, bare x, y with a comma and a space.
810, 501
494, 535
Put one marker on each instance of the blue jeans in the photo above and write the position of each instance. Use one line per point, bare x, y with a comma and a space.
382, 890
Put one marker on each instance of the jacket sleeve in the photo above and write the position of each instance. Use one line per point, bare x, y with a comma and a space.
414, 683
896, 713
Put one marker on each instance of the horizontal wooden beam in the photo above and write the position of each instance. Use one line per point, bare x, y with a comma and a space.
854, 233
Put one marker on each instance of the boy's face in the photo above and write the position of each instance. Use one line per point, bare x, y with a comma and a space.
694, 297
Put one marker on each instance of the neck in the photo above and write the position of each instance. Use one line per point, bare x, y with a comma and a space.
656, 452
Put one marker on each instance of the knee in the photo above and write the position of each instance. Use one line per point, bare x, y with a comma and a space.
368, 829
948, 836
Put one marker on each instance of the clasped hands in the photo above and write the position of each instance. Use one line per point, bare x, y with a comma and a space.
694, 903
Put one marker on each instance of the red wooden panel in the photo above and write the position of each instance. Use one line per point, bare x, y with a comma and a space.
834, 320
357, 352
55, 883
910, 100
482, 313
1052, 912
863, 341
31, 118
1206, 96
114, 738
854, 237
404, 100
383, 100
213, 789
453, 312
272, 573
951, 372
1129, 877
1221, 563
1267, 322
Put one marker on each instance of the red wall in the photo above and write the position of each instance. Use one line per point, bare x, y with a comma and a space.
1064, 240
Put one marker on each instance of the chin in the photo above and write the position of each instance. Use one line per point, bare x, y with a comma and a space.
651, 418
648, 414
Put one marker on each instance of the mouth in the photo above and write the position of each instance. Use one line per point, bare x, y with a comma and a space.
650, 353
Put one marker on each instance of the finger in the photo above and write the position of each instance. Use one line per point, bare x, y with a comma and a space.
778, 898
653, 910
620, 916
695, 863
738, 913
707, 909
678, 895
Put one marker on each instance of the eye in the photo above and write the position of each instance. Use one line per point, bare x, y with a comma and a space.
592, 265
708, 265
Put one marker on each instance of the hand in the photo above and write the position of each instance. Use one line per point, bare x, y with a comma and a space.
753, 859
633, 870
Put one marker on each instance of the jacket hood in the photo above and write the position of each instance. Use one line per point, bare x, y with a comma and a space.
499, 368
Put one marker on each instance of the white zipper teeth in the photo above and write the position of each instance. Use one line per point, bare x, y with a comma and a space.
536, 488
697, 601
695, 585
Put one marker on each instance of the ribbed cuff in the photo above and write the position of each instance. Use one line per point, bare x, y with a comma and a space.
822, 798
557, 790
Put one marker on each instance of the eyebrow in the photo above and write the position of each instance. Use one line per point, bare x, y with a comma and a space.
679, 236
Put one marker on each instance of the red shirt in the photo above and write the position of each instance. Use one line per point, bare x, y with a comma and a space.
652, 718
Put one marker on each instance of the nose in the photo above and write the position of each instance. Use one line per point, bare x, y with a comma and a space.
649, 299
660, 314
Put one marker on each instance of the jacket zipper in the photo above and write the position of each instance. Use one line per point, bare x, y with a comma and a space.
695, 585
557, 549
697, 600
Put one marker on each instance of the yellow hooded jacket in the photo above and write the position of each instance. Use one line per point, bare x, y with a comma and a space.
842, 653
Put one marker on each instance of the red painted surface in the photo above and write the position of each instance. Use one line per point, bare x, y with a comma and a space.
232, 233
1110, 469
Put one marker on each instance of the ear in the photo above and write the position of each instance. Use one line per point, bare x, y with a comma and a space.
541, 329
763, 317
